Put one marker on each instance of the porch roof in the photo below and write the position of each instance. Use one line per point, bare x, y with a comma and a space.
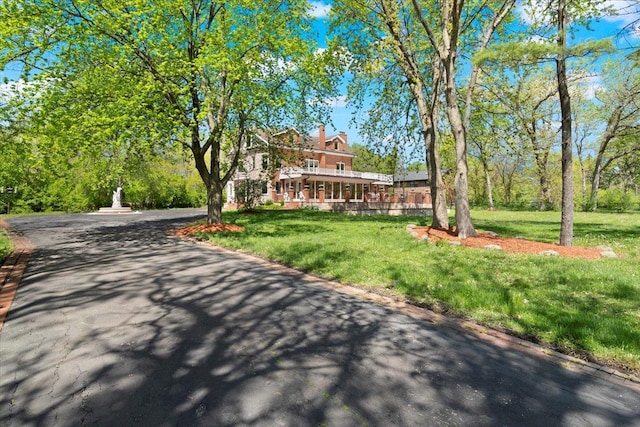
334, 175
338, 178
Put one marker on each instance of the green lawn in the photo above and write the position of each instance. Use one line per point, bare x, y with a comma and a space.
575, 305
5, 245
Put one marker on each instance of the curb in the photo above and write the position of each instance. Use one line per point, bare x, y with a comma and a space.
12, 270
493, 336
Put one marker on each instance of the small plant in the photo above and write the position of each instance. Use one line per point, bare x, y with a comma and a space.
249, 193
5, 245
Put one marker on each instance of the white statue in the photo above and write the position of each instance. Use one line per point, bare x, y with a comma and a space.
117, 198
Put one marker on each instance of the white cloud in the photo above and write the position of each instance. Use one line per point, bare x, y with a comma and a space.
337, 101
318, 9
538, 39
624, 11
591, 85
334, 102
12, 89
529, 13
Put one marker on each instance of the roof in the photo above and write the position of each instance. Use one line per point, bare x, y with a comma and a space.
411, 176
311, 142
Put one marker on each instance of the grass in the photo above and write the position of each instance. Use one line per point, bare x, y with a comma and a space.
578, 306
5, 245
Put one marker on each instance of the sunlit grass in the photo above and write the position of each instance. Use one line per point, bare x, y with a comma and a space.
573, 304
5, 245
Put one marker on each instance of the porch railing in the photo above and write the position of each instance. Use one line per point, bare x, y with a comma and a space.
379, 177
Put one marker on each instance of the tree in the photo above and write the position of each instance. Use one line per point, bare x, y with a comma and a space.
367, 160
619, 107
395, 33
206, 74
391, 62
530, 104
551, 21
455, 17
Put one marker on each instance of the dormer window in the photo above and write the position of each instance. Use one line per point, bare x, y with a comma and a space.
335, 145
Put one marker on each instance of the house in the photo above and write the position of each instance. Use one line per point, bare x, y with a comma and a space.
309, 170
412, 187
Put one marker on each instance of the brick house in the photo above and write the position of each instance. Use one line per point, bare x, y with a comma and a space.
412, 187
310, 170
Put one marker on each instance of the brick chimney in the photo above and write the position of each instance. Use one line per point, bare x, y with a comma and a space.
343, 135
322, 137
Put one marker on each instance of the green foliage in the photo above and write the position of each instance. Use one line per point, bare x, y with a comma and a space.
249, 193
616, 199
368, 160
529, 53
121, 82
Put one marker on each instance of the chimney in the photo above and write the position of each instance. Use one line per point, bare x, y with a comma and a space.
321, 137
344, 138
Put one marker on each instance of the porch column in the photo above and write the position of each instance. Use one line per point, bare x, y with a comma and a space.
305, 192
290, 192
347, 193
321, 193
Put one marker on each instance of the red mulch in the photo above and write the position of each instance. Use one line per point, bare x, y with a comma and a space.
509, 244
206, 228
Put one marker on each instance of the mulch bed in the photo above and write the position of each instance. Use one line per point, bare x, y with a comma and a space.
207, 228
508, 244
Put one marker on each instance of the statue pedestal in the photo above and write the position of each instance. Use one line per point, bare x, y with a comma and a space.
112, 210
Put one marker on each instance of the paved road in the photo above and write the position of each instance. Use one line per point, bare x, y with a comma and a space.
117, 324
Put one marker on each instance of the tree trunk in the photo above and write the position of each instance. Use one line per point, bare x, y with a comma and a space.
545, 202
452, 22
464, 225
440, 217
428, 116
595, 184
566, 224
212, 181
214, 204
487, 180
607, 136
583, 181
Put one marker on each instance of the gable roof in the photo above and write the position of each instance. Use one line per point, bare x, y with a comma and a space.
310, 142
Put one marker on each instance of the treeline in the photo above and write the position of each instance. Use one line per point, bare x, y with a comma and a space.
37, 177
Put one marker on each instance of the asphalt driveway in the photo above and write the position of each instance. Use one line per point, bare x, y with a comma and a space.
115, 323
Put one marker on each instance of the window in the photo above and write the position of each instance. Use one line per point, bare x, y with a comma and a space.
311, 165
335, 145
340, 168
